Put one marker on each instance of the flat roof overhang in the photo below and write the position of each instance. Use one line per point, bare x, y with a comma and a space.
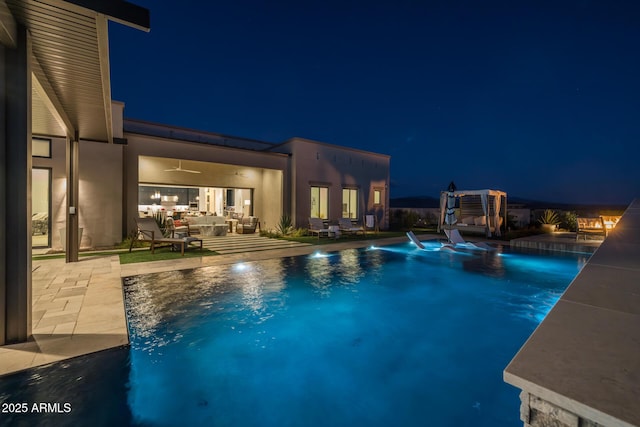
71, 89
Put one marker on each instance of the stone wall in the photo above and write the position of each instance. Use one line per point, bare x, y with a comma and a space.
536, 412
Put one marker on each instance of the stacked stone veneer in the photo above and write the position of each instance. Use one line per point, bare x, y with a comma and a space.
537, 412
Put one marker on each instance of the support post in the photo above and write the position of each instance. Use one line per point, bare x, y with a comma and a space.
15, 191
72, 243
3, 194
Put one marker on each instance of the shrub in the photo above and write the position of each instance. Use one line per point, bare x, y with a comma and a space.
569, 221
549, 217
511, 222
403, 219
298, 232
268, 233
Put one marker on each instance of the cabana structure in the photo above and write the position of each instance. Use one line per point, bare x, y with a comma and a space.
479, 211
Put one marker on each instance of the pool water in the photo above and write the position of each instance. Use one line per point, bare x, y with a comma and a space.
377, 337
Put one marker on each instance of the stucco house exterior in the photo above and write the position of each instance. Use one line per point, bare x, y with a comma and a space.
138, 174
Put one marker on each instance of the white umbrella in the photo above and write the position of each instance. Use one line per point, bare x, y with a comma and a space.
450, 217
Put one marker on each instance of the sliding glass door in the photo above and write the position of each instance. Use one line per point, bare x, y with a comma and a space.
40, 207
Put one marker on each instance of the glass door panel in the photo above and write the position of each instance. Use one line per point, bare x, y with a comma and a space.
40, 207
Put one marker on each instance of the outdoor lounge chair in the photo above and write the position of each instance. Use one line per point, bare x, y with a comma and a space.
347, 227
456, 239
316, 226
415, 239
247, 225
149, 231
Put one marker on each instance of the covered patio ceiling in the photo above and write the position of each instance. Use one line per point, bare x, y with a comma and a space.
161, 170
71, 89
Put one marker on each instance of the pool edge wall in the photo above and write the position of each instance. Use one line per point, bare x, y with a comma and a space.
581, 366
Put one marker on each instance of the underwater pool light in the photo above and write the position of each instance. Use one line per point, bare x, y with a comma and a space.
240, 267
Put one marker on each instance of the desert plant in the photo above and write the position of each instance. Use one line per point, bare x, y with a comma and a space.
569, 221
512, 224
284, 226
298, 232
131, 241
161, 220
269, 233
549, 217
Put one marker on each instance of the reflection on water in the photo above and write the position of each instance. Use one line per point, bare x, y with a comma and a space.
348, 269
258, 282
160, 310
485, 262
318, 274
344, 268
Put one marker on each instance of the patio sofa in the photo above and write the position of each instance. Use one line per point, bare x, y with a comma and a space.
594, 226
475, 224
209, 225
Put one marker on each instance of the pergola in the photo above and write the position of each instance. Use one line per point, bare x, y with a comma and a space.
54, 66
490, 205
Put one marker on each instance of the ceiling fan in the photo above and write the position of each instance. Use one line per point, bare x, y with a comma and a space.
179, 169
237, 174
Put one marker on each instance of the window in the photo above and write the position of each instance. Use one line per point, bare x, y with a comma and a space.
40, 207
349, 203
41, 148
319, 202
377, 197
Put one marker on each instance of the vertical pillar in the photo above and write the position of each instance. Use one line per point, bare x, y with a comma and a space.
3, 194
72, 244
16, 191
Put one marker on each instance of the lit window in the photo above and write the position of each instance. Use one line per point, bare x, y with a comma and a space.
349, 203
377, 196
41, 147
319, 202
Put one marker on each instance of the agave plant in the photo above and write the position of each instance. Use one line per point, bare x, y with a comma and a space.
161, 220
285, 225
549, 217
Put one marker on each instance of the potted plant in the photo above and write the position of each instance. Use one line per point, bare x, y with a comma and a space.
549, 221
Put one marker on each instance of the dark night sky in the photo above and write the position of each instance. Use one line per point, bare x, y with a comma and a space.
537, 98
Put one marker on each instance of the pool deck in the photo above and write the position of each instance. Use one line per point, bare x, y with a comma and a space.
581, 366
558, 241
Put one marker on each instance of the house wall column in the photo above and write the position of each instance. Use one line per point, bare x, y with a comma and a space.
15, 191
72, 244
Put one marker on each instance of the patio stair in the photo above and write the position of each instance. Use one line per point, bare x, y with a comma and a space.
237, 243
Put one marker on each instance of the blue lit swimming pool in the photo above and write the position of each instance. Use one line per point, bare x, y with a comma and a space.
381, 337
378, 337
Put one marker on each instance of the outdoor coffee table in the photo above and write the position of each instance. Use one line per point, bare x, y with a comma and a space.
207, 229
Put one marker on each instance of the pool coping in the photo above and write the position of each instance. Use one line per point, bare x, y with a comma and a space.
582, 363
